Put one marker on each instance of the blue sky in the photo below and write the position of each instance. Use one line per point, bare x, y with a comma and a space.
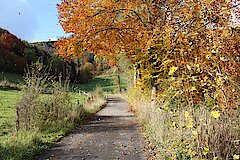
36, 20
31, 20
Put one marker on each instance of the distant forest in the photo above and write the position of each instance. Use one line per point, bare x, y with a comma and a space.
17, 55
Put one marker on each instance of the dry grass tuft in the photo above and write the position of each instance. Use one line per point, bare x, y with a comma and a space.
192, 132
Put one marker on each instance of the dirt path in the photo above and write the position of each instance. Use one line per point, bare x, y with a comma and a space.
111, 135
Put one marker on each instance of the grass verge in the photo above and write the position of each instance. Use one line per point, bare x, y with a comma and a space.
26, 144
185, 133
33, 121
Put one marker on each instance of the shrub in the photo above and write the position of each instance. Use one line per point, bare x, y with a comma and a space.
177, 131
57, 65
38, 111
87, 72
34, 84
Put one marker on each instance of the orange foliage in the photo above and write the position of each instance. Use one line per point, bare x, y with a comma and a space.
192, 41
8, 41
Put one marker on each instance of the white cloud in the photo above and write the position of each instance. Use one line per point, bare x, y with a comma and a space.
53, 38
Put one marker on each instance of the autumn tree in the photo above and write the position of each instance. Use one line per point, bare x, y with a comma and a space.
189, 49
190, 43
11, 43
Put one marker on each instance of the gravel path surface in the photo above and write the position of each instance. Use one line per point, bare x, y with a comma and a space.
111, 134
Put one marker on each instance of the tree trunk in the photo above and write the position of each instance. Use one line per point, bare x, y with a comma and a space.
73, 71
118, 81
135, 76
154, 93
64, 70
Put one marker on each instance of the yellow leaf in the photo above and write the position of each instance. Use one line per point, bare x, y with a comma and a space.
193, 88
219, 81
194, 133
167, 61
224, 8
205, 78
215, 114
190, 123
158, 110
208, 56
235, 156
189, 68
186, 114
205, 151
172, 70
173, 124
228, 1
209, 1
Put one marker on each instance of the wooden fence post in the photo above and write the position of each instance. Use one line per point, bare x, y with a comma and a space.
17, 119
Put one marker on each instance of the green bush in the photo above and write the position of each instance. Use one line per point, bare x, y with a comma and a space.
87, 72
57, 65
31, 55
37, 111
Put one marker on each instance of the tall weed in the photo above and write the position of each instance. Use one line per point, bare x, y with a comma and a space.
177, 130
44, 118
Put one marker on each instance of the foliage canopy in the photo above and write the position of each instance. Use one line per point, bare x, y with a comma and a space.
193, 43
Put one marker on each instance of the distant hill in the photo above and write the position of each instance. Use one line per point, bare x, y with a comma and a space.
45, 46
16, 54
12, 55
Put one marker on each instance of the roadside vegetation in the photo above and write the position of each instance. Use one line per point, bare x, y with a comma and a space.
185, 60
181, 59
41, 113
177, 131
107, 82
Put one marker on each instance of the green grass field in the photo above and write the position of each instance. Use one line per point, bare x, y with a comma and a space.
26, 144
8, 100
106, 82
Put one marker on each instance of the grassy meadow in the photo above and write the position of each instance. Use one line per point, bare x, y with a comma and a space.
25, 144
74, 105
8, 100
106, 82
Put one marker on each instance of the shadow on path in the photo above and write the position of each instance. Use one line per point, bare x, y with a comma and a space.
111, 134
